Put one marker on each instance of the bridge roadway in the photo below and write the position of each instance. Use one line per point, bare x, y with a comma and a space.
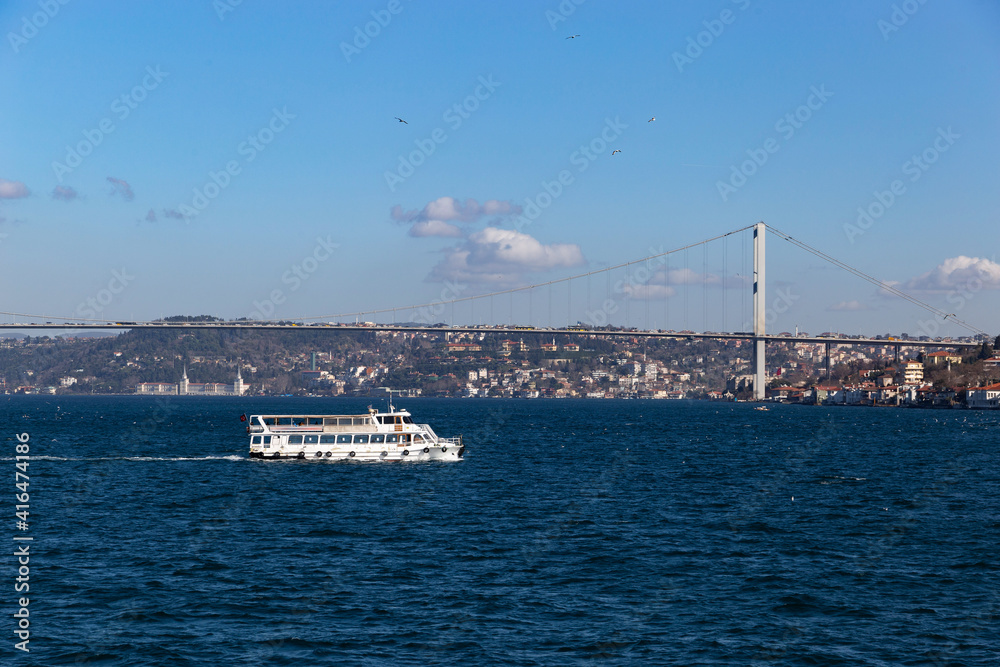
511, 330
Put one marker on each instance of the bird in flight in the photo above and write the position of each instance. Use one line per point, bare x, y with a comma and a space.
949, 315
572, 36
617, 150
651, 119
400, 120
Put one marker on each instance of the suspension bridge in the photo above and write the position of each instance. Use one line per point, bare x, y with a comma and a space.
652, 280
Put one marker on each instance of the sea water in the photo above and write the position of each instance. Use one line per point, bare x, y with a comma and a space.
574, 532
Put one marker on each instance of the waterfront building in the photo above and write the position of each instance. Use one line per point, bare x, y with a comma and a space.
983, 398
187, 388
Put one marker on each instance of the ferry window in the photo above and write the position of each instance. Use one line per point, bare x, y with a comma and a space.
270, 421
284, 421
404, 437
378, 437
344, 421
418, 438
361, 439
295, 440
327, 439
392, 437
407, 420
381, 420
267, 440
255, 440
312, 439
343, 438
315, 421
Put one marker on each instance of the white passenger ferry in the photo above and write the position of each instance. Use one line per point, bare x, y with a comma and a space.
375, 436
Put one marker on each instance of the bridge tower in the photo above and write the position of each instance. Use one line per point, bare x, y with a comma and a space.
759, 312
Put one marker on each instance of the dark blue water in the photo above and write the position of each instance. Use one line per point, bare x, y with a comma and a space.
598, 532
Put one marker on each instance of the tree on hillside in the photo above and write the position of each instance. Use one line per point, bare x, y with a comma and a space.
985, 352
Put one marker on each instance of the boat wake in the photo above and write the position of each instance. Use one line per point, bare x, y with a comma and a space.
231, 457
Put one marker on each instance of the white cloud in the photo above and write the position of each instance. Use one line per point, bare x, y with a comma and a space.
648, 291
687, 276
435, 228
12, 189
445, 209
503, 256
848, 306
958, 272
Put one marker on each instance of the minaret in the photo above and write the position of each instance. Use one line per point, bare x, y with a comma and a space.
182, 387
238, 385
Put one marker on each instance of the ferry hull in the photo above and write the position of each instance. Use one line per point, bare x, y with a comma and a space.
446, 453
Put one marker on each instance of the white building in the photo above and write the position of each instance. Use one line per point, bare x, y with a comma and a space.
984, 397
913, 372
187, 388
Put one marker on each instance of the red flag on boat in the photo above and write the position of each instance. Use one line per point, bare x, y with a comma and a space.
243, 417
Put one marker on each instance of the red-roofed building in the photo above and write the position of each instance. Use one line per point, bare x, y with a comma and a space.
941, 358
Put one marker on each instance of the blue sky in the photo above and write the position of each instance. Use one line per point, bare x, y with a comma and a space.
316, 215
